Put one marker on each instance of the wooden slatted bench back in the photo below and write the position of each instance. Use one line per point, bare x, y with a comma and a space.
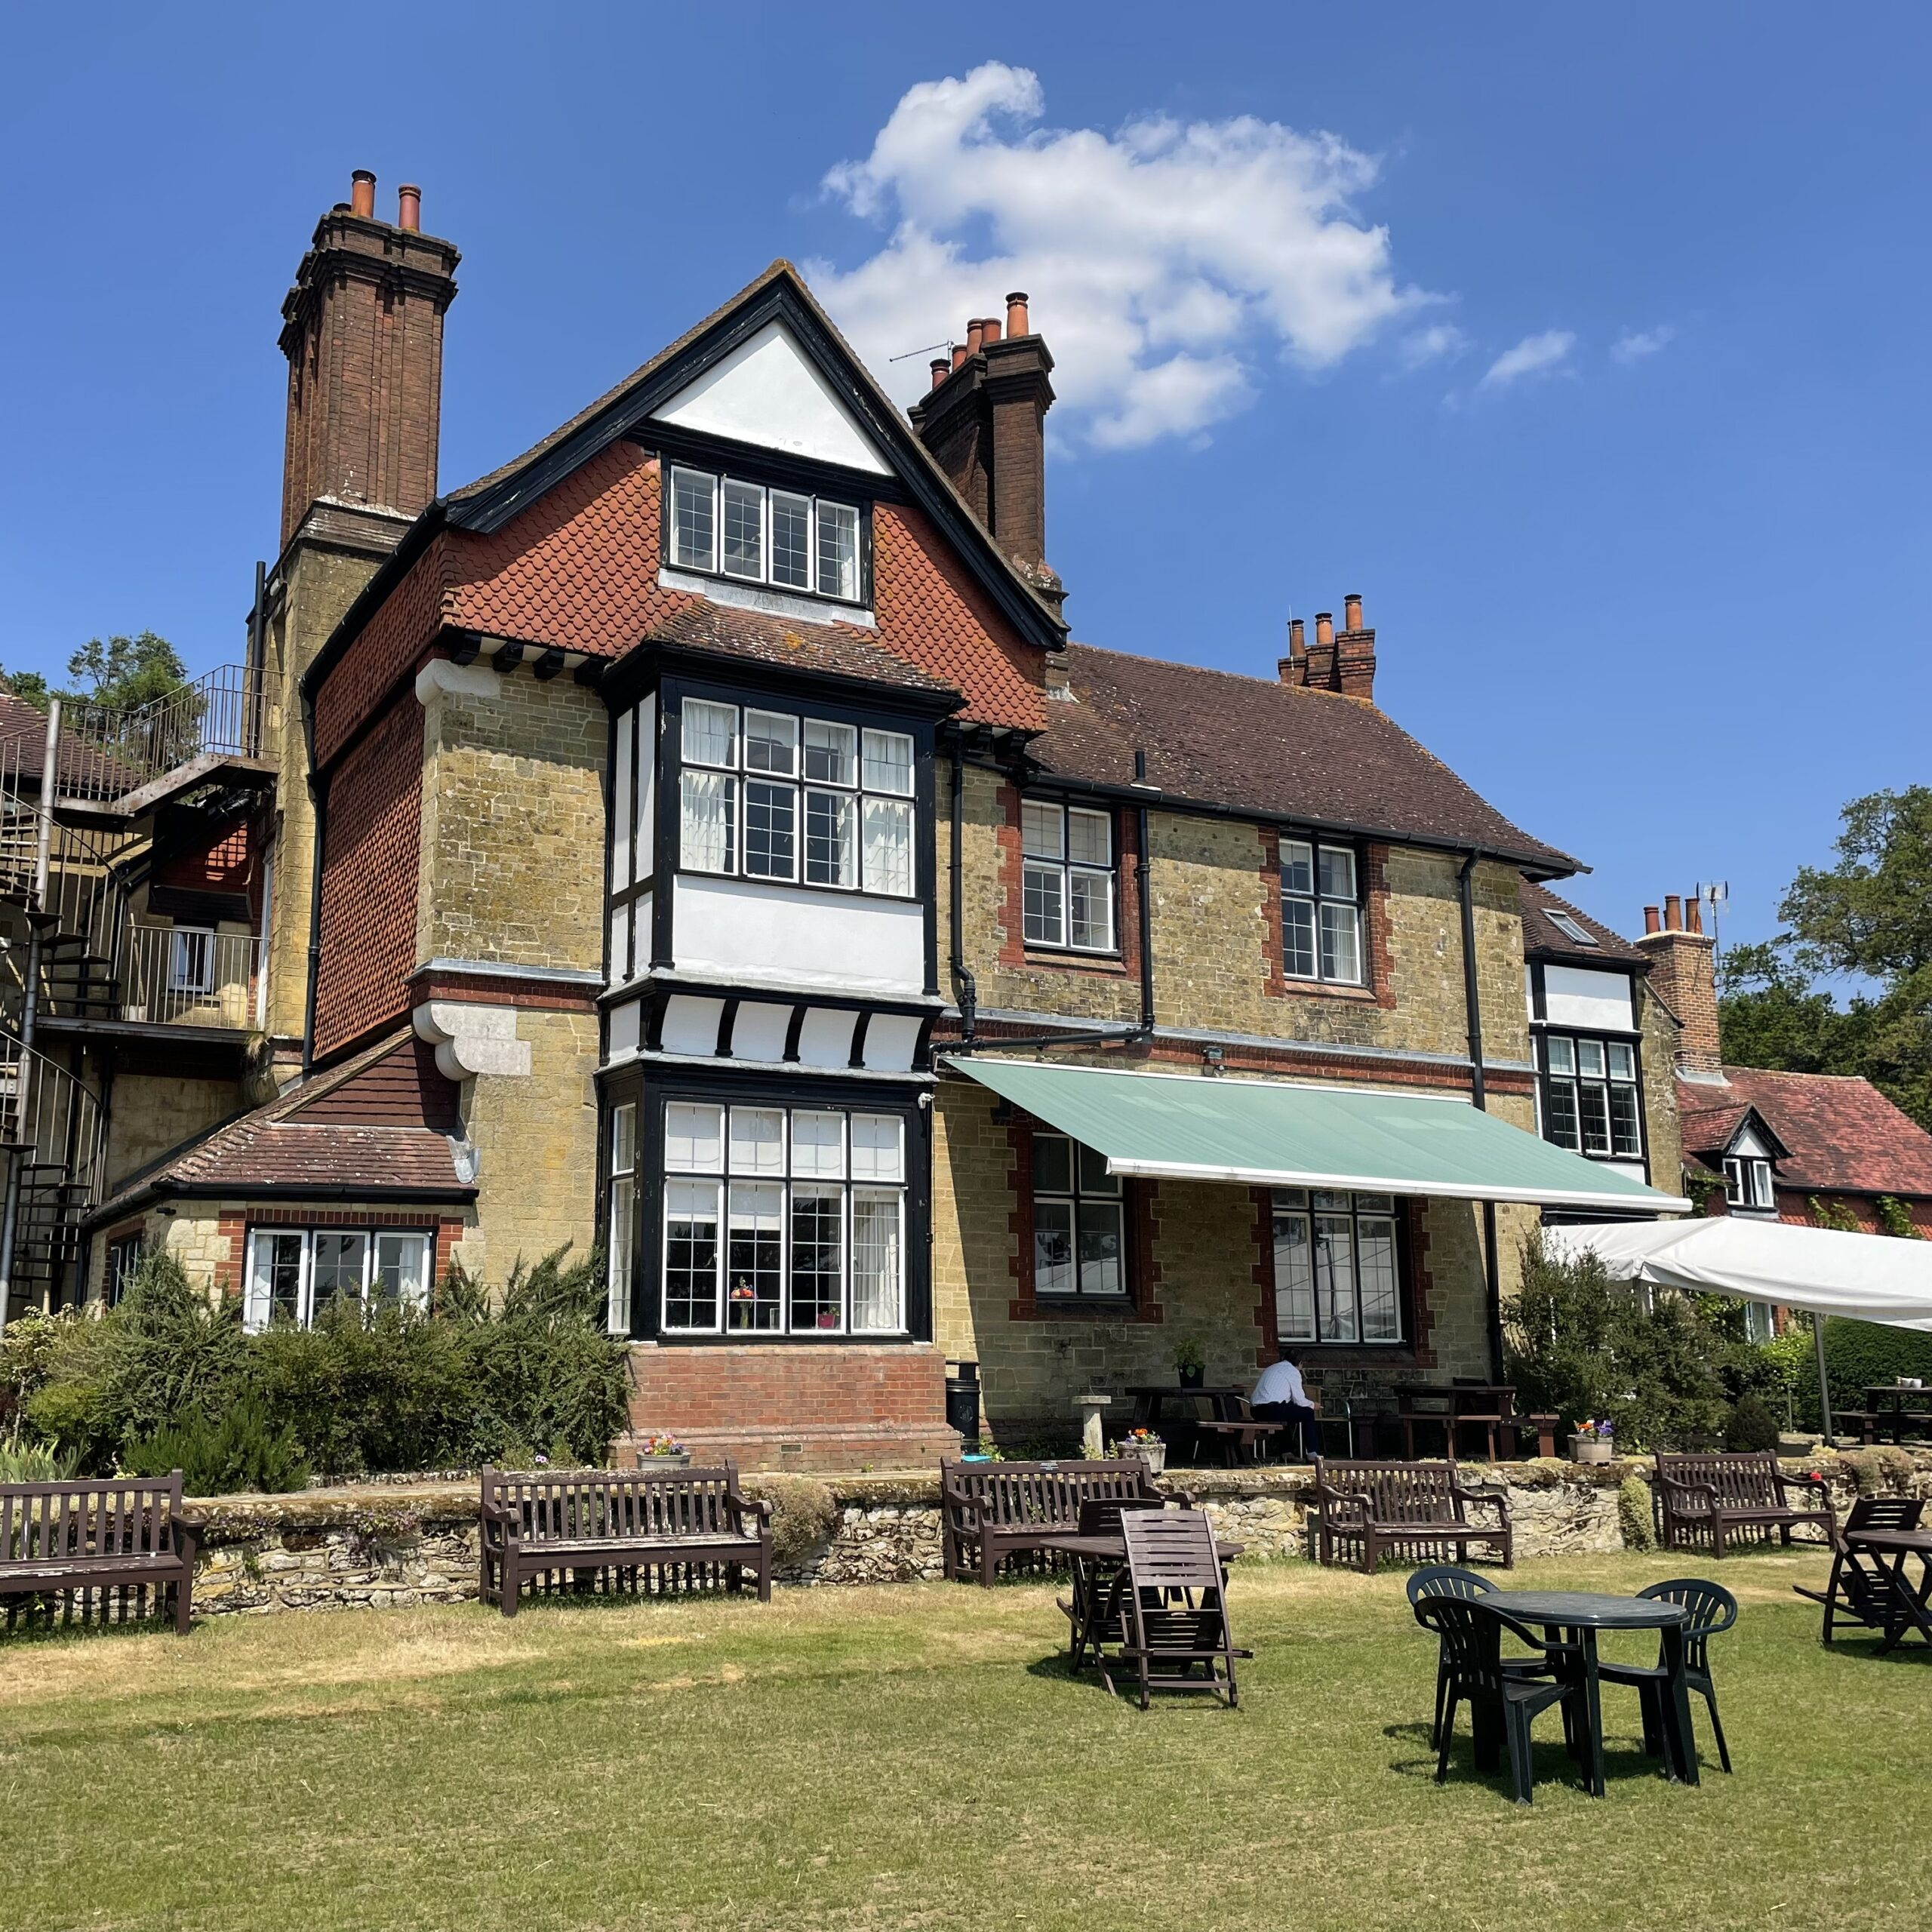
1013, 1494
1742, 1482
619, 1506
1400, 1492
53, 1524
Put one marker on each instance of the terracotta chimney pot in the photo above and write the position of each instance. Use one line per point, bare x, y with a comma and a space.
959, 354
1017, 322
1693, 915
941, 368
1673, 912
1351, 611
1296, 646
1325, 628
973, 328
1652, 923
409, 207
988, 330
362, 194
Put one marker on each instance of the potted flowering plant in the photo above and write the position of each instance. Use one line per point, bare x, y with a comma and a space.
1145, 1444
1593, 1442
1190, 1362
657, 1453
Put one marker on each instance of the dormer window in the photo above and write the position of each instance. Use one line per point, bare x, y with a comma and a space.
788, 539
1572, 929
1747, 1182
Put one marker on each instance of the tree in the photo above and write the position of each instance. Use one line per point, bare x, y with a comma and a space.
1869, 915
121, 673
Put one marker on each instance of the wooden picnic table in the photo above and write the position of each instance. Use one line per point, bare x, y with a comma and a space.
1151, 1398
1889, 1406
1910, 1608
1578, 1615
1488, 1407
1100, 1561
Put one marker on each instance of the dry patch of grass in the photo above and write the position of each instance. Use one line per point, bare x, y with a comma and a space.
917, 1756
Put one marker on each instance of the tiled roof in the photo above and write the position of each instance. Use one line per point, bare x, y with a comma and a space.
1841, 1133
1253, 743
1543, 940
84, 770
842, 649
271, 1150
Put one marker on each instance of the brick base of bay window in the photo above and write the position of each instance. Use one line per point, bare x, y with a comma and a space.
771, 1407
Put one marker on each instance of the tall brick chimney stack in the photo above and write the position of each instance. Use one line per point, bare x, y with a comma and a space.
363, 331
1342, 660
1683, 973
985, 420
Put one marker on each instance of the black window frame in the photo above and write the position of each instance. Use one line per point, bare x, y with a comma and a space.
1317, 843
749, 477
1548, 1081
1317, 1202
1067, 867
1079, 1192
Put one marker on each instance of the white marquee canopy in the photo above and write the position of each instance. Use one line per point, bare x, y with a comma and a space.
1870, 1278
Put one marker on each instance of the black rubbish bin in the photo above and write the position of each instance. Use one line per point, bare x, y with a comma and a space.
962, 1401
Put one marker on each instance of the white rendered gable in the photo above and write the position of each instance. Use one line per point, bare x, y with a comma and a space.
766, 392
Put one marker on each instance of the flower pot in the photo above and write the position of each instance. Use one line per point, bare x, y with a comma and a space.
1154, 1454
1592, 1448
664, 1465
1192, 1378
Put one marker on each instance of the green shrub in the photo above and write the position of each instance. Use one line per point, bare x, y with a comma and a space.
804, 1514
34, 1461
1634, 1514
1750, 1427
1860, 1354
245, 1450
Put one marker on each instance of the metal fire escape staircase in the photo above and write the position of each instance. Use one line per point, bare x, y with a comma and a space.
75, 814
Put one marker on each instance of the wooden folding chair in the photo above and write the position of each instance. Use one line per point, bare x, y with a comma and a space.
1861, 1593
1172, 1608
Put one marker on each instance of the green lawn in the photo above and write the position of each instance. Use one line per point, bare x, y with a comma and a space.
916, 1756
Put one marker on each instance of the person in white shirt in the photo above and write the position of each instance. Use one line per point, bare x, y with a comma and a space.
1281, 1396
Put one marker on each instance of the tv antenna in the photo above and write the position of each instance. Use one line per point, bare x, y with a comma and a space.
1713, 897
927, 350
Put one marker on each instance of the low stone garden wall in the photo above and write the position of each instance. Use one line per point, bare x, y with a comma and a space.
394, 1542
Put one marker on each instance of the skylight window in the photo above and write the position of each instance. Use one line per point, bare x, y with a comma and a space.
1571, 928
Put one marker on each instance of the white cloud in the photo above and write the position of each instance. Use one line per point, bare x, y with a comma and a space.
1436, 343
1534, 355
1162, 260
1633, 345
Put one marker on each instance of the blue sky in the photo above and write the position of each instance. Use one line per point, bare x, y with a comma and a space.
1588, 345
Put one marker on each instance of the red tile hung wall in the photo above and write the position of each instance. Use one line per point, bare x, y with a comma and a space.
369, 876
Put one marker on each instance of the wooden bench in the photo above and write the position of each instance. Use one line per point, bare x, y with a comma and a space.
128, 1533
1239, 1432
1417, 1510
1702, 1499
694, 1527
991, 1511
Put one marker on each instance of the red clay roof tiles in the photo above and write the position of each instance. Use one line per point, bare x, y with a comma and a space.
1843, 1135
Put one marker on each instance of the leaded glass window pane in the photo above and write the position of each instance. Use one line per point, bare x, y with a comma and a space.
744, 529
1090, 911
1041, 830
818, 1248
690, 1254
838, 551
888, 855
832, 752
791, 540
1341, 943
771, 742
889, 763
878, 1262
771, 830
754, 1292
1298, 939
1041, 904
710, 733
694, 520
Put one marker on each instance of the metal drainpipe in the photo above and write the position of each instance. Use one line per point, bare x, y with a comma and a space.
23, 1079
1479, 1093
1142, 884
965, 988
319, 798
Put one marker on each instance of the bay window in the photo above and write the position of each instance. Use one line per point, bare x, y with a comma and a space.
295, 1275
791, 539
1338, 1266
772, 794
1067, 876
782, 1220
1589, 1097
1320, 912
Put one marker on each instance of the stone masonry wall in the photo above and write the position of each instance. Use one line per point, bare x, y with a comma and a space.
385, 1544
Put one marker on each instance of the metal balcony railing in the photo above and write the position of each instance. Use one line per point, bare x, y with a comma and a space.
188, 975
106, 754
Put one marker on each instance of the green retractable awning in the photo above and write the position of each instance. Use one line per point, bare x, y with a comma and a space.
1276, 1134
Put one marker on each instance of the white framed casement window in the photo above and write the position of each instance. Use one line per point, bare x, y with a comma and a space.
777, 795
1067, 876
1589, 1096
694, 520
782, 1220
295, 1274
1079, 1223
727, 526
623, 1237
1320, 913
191, 960
1747, 1182
1337, 1267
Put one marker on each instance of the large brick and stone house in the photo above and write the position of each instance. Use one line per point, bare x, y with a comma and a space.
701, 837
